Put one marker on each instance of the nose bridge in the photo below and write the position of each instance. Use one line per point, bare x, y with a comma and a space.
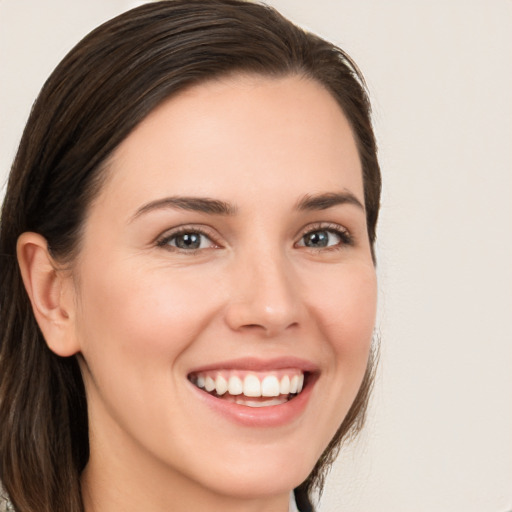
265, 292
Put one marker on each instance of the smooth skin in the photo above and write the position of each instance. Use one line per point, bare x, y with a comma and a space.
159, 289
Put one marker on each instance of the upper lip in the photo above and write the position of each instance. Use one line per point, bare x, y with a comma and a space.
259, 365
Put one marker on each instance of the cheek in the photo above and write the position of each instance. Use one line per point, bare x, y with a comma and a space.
134, 331
137, 313
347, 306
344, 306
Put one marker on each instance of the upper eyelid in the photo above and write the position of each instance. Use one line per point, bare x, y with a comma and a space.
328, 226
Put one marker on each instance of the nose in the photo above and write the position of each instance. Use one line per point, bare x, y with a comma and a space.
264, 297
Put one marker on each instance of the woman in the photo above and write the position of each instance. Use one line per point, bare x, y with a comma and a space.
188, 282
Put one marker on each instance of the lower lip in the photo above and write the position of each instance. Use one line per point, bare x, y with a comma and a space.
271, 416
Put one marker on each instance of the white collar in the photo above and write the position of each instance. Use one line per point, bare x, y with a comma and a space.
293, 504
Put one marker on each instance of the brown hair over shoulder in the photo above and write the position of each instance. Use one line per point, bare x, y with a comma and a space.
101, 90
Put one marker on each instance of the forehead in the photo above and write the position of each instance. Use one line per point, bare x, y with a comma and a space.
261, 134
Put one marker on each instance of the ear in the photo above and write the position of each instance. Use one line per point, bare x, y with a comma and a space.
51, 292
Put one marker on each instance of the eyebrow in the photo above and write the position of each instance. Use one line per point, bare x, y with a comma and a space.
194, 204
311, 202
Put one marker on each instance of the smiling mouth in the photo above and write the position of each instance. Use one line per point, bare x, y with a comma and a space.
249, 388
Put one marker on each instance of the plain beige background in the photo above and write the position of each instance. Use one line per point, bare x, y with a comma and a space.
439, 437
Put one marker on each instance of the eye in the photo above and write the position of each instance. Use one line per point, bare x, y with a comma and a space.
325, 238
318, 239
187, 240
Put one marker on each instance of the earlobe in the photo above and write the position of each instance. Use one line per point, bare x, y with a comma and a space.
50, 290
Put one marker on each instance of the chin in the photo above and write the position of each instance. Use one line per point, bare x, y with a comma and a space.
260, 472
261, 481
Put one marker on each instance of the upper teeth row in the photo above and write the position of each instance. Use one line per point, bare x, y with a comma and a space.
250, 385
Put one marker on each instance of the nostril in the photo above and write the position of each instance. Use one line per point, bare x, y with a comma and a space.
268, 329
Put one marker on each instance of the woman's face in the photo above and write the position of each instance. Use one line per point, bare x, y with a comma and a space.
227, 249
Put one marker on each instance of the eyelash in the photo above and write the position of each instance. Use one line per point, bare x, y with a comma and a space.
346, 239
165, 240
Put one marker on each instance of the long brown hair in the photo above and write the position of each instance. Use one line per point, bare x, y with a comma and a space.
95, 97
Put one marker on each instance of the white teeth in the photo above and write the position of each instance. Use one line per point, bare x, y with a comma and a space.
300, 385
284, 387
270, 386
235, 386
221, 385
252, 386
209, 384
266, 403
294, 384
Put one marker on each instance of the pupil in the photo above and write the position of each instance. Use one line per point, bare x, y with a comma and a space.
189, 241
317, 239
